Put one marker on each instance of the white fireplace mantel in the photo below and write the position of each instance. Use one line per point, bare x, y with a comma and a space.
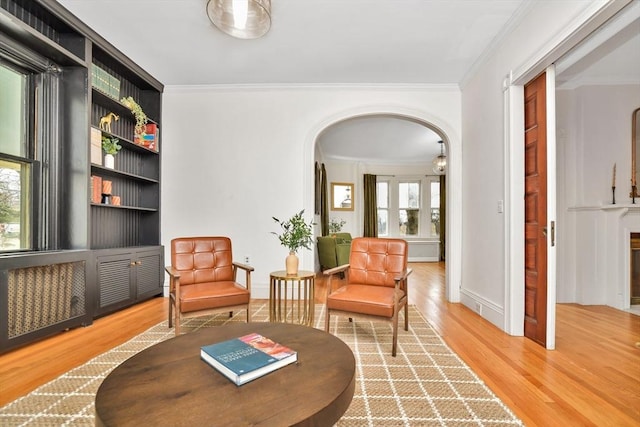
603, 252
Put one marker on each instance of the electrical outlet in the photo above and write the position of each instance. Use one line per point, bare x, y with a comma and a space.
478, 308
246, 259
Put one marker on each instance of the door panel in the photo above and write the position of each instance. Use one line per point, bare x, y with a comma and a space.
535, 323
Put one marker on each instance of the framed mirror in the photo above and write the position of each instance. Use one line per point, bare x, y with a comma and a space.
341, 196
635, 151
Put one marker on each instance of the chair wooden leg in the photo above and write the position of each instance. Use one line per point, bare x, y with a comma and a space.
230, 314
406, 317
248, 313
326, 322
170, 313
395, 335
177, 323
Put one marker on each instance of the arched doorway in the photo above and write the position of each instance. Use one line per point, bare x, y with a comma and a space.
440, 130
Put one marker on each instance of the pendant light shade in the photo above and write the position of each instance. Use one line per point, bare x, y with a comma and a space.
244, 19
440, 161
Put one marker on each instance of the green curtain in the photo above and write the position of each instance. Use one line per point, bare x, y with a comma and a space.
443, 216
324, 202
370, 206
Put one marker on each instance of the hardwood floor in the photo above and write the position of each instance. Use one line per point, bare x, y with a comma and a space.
591, 379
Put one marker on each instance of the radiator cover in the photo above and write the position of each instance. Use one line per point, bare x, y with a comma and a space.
41, 296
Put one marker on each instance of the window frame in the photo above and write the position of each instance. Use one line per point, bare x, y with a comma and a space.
41, 142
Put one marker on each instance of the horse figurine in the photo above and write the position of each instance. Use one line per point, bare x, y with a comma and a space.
105, 121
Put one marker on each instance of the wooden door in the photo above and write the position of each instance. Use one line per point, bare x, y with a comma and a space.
535, 241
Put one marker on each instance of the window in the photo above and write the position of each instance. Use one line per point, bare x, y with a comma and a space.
382, 199
29, 140
435, 208
409, 208
15, 164
406, 204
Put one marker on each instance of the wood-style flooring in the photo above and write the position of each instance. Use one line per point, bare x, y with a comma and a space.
591, 379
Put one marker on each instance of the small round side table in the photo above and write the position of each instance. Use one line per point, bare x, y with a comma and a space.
291, 297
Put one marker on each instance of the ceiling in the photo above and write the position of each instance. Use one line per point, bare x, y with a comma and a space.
333, 42
310, 41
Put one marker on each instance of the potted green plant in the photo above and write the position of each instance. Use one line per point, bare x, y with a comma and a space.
335, 225
140, 116
295, 233
110, 147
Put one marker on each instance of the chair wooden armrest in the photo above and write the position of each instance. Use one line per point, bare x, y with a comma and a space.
172, 271
245, 267
336, 270
404, 275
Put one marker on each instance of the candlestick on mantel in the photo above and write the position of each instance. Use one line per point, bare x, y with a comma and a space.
613, 183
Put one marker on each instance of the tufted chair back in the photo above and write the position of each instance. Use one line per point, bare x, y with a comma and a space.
202, 259
376, 261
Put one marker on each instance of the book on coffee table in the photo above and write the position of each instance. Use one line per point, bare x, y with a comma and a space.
247, 357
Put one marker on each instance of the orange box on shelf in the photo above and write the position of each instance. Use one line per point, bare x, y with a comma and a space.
106, 187
115, 200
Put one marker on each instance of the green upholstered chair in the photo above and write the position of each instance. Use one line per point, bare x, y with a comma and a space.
334, 250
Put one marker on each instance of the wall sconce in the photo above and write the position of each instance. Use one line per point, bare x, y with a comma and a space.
244, 19
440, 161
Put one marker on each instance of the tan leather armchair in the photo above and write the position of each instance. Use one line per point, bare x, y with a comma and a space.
202, 279
375, 283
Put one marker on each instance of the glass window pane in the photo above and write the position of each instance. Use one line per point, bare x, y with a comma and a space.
435, 194
383, 222
14, 211
13, 107
382, 195
435, 221
409, 221
409, 195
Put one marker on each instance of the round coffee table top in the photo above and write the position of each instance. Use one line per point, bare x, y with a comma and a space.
168, 383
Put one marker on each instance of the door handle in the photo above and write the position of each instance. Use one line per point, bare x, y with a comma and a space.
553, 233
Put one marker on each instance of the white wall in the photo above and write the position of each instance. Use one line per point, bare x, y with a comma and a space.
233, 157
543, 32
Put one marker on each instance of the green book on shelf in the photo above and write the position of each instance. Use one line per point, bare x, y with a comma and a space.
248, 357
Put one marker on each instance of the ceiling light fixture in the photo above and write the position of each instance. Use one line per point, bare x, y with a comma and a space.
440, 161
244, 19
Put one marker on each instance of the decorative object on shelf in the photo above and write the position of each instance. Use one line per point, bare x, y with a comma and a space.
96, 146
105, 121
96, 189
296, 234
115, 200
244, 19
107, 188
440, 161
335, 225
140, 128
110, 147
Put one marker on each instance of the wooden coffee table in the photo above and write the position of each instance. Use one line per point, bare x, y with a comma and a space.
168, 384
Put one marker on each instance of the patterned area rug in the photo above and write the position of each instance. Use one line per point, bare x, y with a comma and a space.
426, 384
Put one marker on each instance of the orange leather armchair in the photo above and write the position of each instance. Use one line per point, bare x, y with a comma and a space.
375, 283
202, 279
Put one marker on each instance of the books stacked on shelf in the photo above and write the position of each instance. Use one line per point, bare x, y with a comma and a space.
96, 146
248, 357
105, 82
150, 137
